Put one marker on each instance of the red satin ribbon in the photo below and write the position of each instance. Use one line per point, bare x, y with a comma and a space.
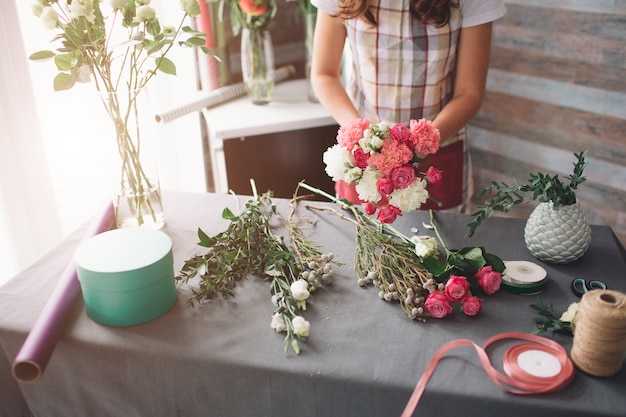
516, 380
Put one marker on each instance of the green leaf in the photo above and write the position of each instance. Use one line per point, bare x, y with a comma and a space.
41, 55
228, 215
166, 65
64, 81
64, 62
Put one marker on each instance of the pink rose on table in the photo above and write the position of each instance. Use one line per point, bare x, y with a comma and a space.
489, 280
360, 157
400, 133
369, 208
457, 288
472, 305
403, 176
434, 176
384, 186
388, 214
437, 305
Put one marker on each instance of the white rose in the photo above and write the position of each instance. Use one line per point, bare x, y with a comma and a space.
278, 323
82, 8
49, 17
300, 290
190, 7
118, 4
84, 74
425, 246
301, 326
145, 13
570, 314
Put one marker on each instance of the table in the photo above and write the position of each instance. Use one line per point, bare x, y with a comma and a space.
363, 356
289, 111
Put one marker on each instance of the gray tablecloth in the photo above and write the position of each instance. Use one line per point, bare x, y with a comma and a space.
363, 356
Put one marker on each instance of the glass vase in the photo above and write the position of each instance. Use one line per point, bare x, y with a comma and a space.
257, 64
137, 191
310, 16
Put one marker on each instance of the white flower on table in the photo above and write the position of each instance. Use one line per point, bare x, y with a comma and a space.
300, 326
278, 323
300, 292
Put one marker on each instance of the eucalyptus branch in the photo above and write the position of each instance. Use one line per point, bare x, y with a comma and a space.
544, 188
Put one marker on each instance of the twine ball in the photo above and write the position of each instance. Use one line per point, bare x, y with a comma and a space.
599, 344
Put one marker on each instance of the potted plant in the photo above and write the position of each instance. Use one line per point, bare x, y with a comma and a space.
557, 230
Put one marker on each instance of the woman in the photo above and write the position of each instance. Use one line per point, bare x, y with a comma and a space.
412, 59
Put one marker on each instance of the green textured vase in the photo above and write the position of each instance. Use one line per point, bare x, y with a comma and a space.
557, 236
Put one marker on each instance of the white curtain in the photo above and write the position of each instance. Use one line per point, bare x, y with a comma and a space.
53, 173
29, 223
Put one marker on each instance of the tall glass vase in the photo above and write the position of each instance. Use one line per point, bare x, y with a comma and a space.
257, 64
137, 191
310, 17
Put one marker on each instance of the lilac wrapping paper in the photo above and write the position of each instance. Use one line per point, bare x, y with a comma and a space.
32, 358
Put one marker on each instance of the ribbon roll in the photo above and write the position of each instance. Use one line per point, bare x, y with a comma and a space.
520, 377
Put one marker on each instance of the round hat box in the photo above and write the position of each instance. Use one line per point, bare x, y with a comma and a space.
126, 276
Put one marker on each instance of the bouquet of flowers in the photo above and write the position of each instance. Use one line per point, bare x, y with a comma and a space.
382, 161
413, 272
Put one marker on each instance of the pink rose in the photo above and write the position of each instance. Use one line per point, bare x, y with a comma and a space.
437, 305
489, 280
424, 136
369, 208
388, 214
434, 176
361, 157
400, 133
403, 177
472, 305
384, 186
457, 288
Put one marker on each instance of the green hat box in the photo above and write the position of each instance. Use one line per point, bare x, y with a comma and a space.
126, 276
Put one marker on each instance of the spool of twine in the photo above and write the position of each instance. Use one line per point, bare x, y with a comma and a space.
600, 333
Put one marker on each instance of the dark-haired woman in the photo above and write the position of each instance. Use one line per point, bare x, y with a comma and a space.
411, 59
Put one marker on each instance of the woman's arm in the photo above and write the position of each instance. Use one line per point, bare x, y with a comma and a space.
330, 36
470, 78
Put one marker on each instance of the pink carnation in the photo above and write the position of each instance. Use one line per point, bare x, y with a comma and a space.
425, 136
392, 155
350, 134
403, 176
437, 305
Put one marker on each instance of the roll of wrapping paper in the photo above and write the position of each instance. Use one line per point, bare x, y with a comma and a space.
219, 96
599, 344
32, 358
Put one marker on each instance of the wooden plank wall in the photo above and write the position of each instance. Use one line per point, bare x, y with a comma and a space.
557, 85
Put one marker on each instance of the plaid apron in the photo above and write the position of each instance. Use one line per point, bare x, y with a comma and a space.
403, 70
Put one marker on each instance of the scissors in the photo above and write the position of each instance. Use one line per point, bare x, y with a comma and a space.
580, 286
